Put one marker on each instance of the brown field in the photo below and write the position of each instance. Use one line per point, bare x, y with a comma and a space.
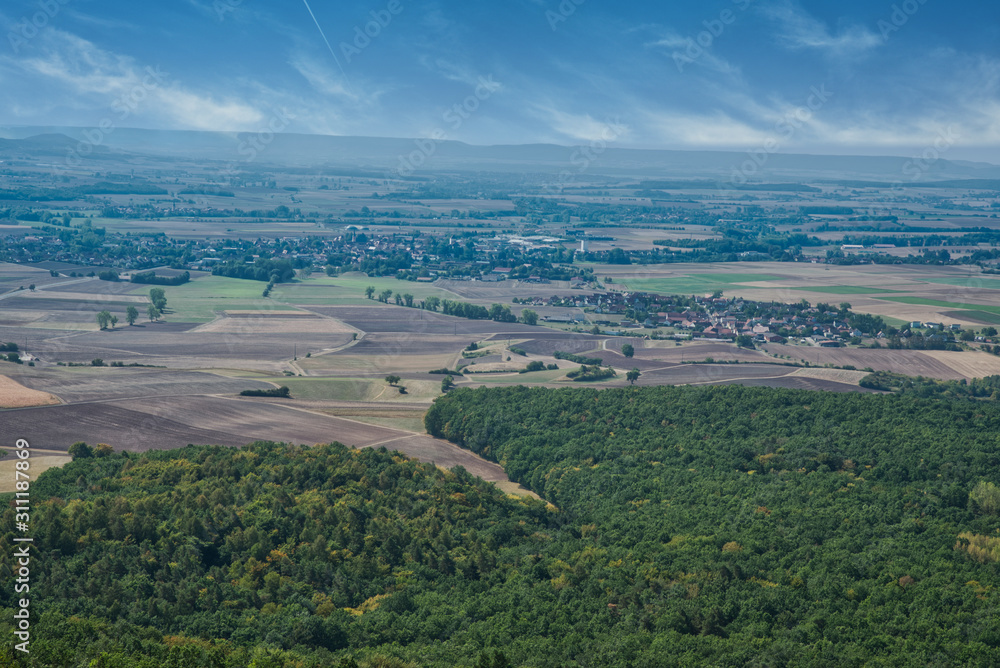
175, 345
271, 324
102, 384
15, 395
932, 364
397, 319
172, 422
102, 297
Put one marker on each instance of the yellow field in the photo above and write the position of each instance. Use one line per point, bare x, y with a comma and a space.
15, 395
39, 464
968, 364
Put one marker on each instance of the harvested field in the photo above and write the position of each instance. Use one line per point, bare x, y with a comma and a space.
417, 322
15, 395
908, 362
567, 343
377, 365
968, 364
272, 324
832, 375
757, 375
710, 374
171, 344
39, 465
800, 383
174, 422
58, 427
700, 350
106, 383
100, 297
619, 361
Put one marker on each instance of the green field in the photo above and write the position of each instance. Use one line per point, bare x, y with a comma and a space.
201, 299
350, 290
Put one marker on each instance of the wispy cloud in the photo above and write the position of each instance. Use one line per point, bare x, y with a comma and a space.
105, 78
800, 30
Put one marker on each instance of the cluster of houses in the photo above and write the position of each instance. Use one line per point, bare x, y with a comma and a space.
720, 318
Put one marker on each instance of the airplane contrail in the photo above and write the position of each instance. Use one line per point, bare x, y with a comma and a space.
323, 35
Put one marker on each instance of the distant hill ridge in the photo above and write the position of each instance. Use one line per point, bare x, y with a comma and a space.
382, 154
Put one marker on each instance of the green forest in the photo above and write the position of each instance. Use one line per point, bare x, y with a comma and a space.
708, 526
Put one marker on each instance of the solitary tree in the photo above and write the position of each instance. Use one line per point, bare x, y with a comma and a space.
152, 312
114, 321
628, 350
369, 291
392, 379
104, 319
633, 376
131, 315
159, 298
447, 383
32, 287
529, 317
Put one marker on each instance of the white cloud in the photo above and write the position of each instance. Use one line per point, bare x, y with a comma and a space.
800, 30
581, 127
124, 90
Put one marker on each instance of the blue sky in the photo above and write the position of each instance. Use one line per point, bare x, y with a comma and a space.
777, 75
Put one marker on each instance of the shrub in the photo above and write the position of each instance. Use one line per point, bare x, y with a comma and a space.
282, 391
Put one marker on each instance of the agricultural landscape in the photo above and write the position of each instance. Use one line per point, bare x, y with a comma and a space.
443, 327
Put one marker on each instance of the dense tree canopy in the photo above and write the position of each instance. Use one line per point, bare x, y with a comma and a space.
710, 526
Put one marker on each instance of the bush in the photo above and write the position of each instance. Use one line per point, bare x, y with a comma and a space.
282, 391
579, 359
533, 366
